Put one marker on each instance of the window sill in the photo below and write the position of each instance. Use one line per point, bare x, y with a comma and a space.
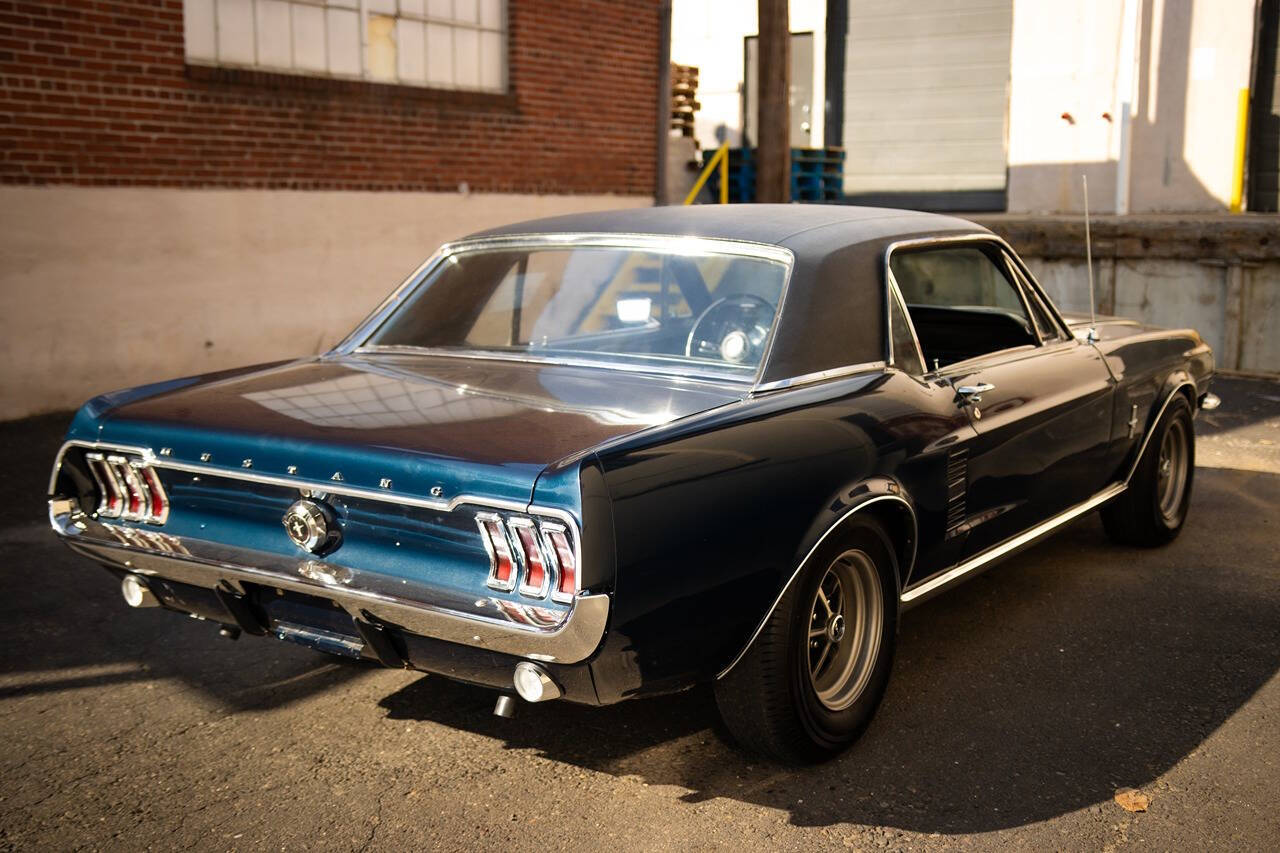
282, 81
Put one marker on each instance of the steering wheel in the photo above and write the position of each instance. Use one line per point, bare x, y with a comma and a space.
732, 329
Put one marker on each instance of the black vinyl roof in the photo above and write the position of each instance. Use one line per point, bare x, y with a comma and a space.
834, 311
779, 224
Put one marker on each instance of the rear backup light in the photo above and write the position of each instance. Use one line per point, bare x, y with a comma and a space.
535, 557
128, 488
502, 570
536, 577
557, 540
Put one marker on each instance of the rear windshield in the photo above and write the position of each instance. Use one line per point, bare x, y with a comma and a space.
701, 313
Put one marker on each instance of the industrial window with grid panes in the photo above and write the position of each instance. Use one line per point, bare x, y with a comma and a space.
443, 44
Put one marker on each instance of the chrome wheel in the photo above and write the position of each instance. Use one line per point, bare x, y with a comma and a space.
1171, 472
845, 622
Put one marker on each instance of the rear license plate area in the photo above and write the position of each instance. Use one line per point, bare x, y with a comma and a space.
308, 620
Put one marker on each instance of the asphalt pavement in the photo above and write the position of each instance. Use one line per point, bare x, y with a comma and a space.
1020, 703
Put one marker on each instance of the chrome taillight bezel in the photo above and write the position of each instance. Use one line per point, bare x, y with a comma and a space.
128, 488
533, 590
483, 519
540, 530
547, 528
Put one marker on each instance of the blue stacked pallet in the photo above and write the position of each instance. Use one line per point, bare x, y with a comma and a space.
817, 175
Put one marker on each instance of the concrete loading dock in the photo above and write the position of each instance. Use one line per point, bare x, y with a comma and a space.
1217, 274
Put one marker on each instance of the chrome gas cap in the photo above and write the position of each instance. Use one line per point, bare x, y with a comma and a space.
312, 526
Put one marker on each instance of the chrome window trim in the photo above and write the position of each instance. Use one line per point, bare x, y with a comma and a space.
991, 359
818, 376
721, 379
687, 246
904, 571
981, 237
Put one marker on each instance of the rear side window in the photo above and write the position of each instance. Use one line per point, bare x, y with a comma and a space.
905, 355
961, 303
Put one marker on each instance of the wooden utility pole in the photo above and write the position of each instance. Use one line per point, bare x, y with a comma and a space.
773, 124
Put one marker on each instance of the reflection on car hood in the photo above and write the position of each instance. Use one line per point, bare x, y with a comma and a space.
460, 425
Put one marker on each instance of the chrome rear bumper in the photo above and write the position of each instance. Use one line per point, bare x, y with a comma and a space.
511, 630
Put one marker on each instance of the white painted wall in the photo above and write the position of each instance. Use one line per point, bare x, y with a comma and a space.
709, 34
1192, 58
106, 288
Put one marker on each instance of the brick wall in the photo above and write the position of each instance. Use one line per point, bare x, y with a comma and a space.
97, 92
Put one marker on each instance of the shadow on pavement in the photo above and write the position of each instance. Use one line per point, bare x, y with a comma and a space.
1032, 691
72, 630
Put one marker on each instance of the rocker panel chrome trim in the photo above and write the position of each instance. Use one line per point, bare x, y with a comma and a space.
963, 571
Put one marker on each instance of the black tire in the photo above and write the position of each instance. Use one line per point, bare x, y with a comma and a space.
1152, 511
770, 700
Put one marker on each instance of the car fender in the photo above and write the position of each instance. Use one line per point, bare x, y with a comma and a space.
1177, 382
883, 497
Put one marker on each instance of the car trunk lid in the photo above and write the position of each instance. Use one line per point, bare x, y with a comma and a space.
426, 426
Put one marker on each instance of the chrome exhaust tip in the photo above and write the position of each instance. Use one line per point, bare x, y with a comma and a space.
505, 707
136, 592
534, 684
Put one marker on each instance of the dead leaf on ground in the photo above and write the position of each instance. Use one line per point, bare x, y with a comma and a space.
1132, 800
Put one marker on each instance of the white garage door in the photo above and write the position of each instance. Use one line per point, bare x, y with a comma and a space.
926, 99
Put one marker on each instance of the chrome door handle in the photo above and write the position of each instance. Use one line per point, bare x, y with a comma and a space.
973, 393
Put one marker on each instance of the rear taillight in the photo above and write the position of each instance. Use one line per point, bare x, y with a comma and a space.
557, 539
155, 489
128, 488
535, 580
502, 570
536, 556
110, 490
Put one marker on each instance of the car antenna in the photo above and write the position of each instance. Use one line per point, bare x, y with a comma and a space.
1092, 337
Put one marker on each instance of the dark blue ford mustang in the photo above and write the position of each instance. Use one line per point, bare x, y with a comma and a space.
598, 457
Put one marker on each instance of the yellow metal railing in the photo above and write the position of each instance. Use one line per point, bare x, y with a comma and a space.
720, 159
1242, 133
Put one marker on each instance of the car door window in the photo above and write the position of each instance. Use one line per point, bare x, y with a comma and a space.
1049, 330
961, 303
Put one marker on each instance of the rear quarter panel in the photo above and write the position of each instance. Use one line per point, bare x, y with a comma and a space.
712, 517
